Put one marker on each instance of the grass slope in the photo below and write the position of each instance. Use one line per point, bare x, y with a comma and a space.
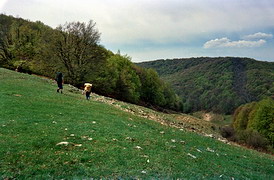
104, 142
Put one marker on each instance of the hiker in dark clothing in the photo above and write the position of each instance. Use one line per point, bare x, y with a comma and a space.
60, 80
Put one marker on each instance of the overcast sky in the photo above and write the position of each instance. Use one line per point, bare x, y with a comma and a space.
161, 29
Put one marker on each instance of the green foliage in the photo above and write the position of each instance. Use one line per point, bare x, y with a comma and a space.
122, 79
216, 84
26, 46
241, 116
155, 91
262, 118
152, 90
119, 79
5, 55
258, 117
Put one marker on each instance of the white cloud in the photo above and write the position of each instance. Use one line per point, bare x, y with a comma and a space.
160, 21
258, 35
225, 42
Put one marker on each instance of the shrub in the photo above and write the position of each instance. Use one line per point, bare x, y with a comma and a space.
261, 118
254, 123
241, 116
227, 131
252, 138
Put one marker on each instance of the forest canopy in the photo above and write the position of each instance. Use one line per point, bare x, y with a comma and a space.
216, 84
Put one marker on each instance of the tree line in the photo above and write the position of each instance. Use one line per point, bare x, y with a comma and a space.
74, 48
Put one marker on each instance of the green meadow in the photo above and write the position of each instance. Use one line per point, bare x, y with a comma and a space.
48, 135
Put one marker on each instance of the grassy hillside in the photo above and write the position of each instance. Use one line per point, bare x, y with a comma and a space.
74, 50
216, 84
103, 141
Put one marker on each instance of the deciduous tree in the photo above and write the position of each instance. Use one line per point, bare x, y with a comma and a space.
77, 48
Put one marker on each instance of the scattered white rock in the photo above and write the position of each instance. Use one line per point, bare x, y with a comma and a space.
66, 129
62, 143
72, 135
86, 137
78, 145
209, 135
148, 161
54, 122
199, 150
93, 122
182, 142
114, 139
143, 172
173, 140
194, 157
138, 147
223, 140
145, 156
162, 132
208, 149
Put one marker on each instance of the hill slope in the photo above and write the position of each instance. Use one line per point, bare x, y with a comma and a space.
46, 135
216, 84
74, 50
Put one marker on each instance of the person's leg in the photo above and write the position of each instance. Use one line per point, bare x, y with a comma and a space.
57, 87
60, 87
88, 95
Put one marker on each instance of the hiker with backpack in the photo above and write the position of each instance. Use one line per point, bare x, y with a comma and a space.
87, 90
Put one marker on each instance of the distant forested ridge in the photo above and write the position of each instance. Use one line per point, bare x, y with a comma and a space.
216, 84
73, 48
